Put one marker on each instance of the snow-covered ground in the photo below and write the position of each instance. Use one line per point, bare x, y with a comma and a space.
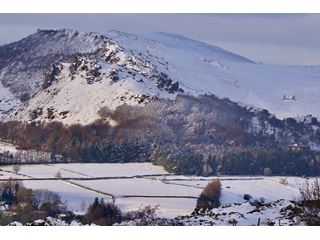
137, 61
76, 199
41, 171
166, 207
10, 174
278, 213
203, 68
7, 100
135, 185
233, 188
113, 169
4, 147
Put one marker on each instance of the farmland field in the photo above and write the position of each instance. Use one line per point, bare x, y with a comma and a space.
135, 185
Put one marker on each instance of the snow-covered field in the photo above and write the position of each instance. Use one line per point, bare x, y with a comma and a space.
135, 185
75, 198
113, 169
4, 147
268, 188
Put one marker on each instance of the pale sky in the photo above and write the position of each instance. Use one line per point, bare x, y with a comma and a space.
267, 38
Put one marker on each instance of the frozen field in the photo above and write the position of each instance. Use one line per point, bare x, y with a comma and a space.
135, 185
4, 147
74, 197
113, 169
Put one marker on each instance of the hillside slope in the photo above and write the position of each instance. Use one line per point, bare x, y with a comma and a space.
69, 75
202, 68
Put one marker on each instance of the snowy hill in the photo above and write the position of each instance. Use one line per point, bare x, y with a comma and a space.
69, 75
204, 69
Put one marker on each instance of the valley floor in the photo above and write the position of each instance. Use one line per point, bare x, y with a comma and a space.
135, 185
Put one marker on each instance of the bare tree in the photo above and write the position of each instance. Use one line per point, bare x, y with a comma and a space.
41, 196
267, 172
16, 168
104, 112
310, 203
83, 206
58, 174
284, 181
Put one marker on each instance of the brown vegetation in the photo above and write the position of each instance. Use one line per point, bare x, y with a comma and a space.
189, 135
102, 213
310, 201
25, 205
210, 196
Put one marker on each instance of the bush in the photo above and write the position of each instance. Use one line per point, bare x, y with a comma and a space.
8, 191
41, 196
247, 197
145, 216
102, 213
58, 174
23, 203
24, 97
283, 181
310, 201
210, 196
16, 168
51, 208
267, 172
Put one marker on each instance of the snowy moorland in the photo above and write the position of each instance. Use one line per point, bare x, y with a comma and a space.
114, 68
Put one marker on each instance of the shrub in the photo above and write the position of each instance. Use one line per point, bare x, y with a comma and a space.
24, 97
267, 172
247, 197
51, 208
283, 181
104, 112
41, 196
210, 196
58, 174
310, 201
23, 203
102, 213
144, 216
8, 191
16, 168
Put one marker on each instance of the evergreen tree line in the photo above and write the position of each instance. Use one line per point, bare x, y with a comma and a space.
240, 161
94, 143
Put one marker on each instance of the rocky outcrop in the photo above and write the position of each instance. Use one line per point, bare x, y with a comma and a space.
52, 74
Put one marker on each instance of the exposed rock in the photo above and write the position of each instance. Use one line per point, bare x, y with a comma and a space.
113, 75
165, 83
52, 74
